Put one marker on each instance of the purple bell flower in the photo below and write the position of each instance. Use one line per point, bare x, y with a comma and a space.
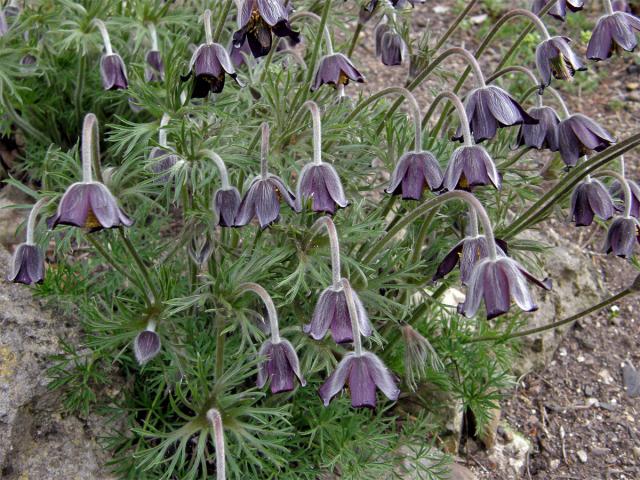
154, 68
590, 198
489, 108
335, 69
89, 205
226, 203
209, 66
544, 135
28, 265
390, 47
281, 367
257, 20
578, 135
559, 10
162, 161
146, 346
617, 192
320, 183
237, 54
413, 173
469, 166
113, 72
497, 281
469, 251
613, 32
262, 201
623, 234
555, 57
363, 374
331, 313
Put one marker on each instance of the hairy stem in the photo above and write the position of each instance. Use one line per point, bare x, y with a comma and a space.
215, 419
222, 168
317, 130
90, 148
316, 45
334, 245
268, 303
462, 114
154, 36
353, 314
31, 221
624, 185
208, 36
558, 97
106, 40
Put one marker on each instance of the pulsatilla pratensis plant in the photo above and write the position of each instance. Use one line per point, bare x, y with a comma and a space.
243, 341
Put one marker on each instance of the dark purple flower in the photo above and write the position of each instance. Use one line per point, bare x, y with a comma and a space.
496, 282
154, 68
363, 374
320, 183
335, 70
257, 20
331, 313
544, 134
226, 202
559, 10
89, 205
209, 66
622, 236
617, 192
162, 160
620, 6
28, 60
613, 32
146, 346
281, 366
390, 46
590, 198
413, 173
469, 166
554, 56
113, 72
469, 251
28, 265
262, 201
578, 135
489, 108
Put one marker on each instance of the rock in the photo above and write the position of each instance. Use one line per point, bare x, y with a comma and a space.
631, 380
605, 376
488, 438
582, 456
631, 86
510, 459
575, 286
37, 442
479, 19
459, 472
11, 218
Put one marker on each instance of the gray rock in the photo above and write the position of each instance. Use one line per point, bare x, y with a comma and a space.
575, 287
37, 441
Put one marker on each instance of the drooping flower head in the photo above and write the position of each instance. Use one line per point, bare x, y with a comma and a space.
332, 311
559, 10
209, 65
362, 371
112, 68
555, 57
281, 366
623, 234
257, 20
89, 204
154, 66
614, 32
617, 190
226, 200
390, 46
590, 198
319, 181
146, 344
335, 69
544, 134
578, 135
262, 199
28, 259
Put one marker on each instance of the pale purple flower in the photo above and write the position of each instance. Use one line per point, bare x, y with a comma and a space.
280, 368
27, 265
154, 68
146, 346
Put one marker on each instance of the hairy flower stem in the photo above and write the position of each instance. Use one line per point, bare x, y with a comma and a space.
90, 149
552, 325
624, 184
215, 419
268, 303
353, 315
153, 34
473, 65
317, 130
264, 150
454, 26
106, 40
561, 102
462, 115
222, 168
524, 70
31, 221
355, 38
426, 207
316, 45
221, 21
162, 132
608, 7
334, 245
208, 36
565, 186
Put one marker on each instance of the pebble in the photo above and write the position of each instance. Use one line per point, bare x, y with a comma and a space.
605, 376
582, 455
636, 453
631, 86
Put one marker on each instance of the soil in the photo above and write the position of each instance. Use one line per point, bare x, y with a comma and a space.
576, 414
